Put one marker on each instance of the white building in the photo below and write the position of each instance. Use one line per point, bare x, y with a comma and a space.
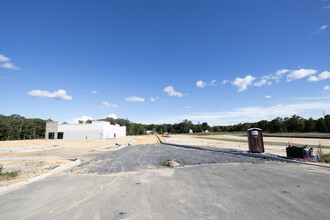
97, 130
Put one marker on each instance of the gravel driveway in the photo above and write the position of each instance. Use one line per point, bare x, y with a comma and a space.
133, 158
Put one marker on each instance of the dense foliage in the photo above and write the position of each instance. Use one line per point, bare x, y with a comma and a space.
277, 125
16, 127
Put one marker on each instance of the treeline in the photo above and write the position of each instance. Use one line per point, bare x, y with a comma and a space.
16, 127
278, 125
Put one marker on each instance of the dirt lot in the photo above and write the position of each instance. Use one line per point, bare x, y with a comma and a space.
35, 157
236, 142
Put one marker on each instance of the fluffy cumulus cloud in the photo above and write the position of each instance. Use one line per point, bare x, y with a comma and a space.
213, 83
200, 84
108, 105
109, 116
3, 58
171, 91
299, 74
82, 118
243, 83
322, 76
152, 99
134, 99
4, 63
58, 95
279, 74
260, 83
9, 66
225, 82
268, 96
326, 88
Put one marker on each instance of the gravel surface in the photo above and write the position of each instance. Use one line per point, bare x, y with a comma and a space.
150, 156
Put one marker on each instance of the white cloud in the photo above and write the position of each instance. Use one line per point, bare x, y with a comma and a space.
269, 83
323, 27
171, 92
107, 104
281, 72
200, 84
326, 7
299, 74
3, 58
109, 116
260, 83
59, 94
326, 88
268, 96
134, 99
243, 83
9, 66
187, 107
322, 76
82, 118
225, 82
252, 113
152, 99
213, 83
94, 92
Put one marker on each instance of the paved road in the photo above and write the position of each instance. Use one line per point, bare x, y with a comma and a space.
227, 190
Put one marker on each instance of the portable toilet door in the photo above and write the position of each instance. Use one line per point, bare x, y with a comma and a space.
255, 139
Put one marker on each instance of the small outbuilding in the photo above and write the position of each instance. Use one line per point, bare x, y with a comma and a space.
255, 139
97, 130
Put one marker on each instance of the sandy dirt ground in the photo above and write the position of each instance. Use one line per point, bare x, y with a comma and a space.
196, 140
13, 154
23, 155
151, 139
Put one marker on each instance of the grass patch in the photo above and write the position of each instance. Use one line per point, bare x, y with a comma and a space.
8, 174
217, 133
265, 142
170, 162
325, 158
286, 134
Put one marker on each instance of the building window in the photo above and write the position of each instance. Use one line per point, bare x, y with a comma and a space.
51, 135
60, 135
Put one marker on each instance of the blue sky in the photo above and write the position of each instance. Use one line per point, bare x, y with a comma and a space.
222, 62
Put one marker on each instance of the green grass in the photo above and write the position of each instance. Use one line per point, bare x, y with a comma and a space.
325, 158
218, 133
8, 174
265, 142
243, 133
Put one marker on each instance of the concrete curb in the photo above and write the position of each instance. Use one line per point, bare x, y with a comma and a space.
262, 156
37, 178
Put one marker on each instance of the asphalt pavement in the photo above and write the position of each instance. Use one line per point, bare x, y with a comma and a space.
131, 183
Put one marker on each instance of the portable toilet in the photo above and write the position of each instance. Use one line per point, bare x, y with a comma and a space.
255, 139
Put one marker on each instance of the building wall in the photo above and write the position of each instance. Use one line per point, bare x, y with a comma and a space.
51, 127
97, 130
